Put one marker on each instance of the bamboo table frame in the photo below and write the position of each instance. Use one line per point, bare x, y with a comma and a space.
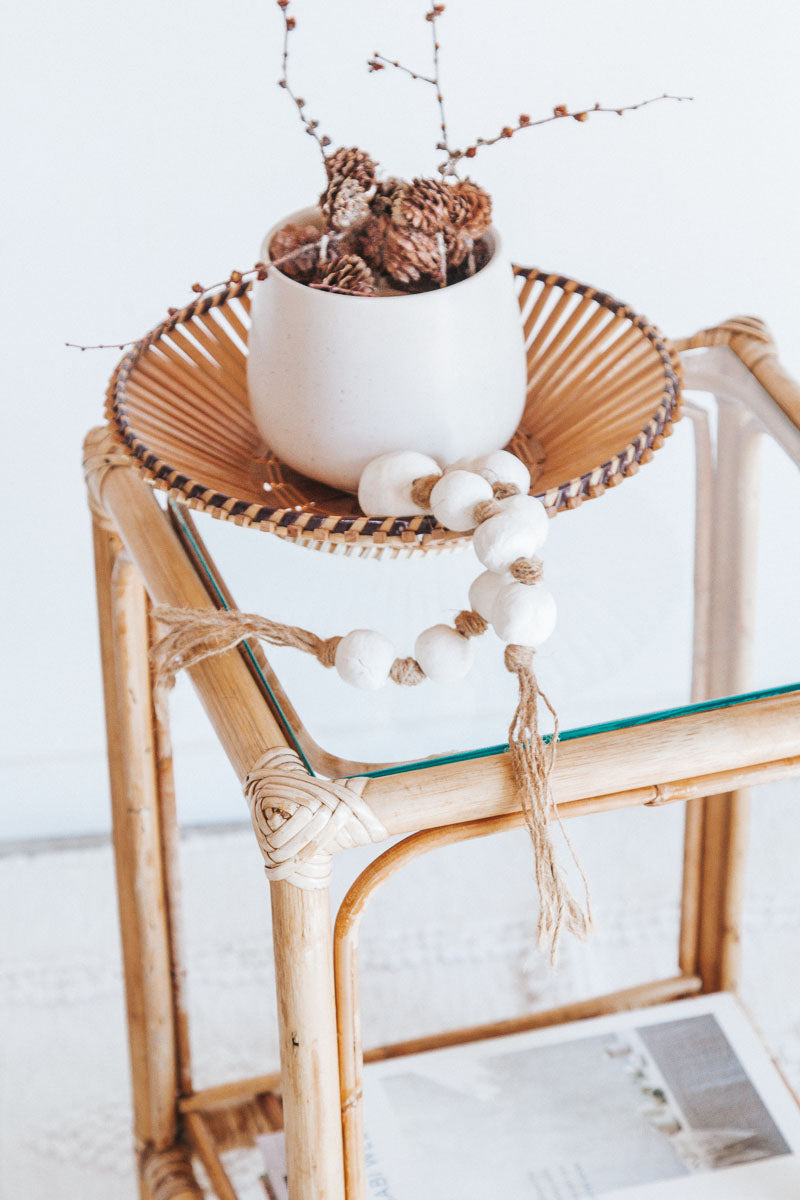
704, 758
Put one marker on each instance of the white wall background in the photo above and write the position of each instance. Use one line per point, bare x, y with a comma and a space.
145, 148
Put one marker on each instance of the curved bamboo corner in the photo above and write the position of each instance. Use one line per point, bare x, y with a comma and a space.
751, 341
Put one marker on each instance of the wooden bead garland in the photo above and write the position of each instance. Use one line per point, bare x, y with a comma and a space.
489, 495
455, 497
385, 487
444, 654
364, 659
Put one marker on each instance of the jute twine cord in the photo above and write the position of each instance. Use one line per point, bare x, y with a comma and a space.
470, 623
421, 489
195, 634
421, 495
527, 570
168, 1173
532, 764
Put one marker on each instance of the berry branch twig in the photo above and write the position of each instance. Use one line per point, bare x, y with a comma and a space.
436, 11
559, 113
259, 271
311, 126
379, 62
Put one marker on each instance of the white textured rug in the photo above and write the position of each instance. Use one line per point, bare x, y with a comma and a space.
442, 948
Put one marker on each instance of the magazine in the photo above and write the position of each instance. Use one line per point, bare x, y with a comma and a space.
675, 1102
273, 1153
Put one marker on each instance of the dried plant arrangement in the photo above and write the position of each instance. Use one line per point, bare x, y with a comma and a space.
384, 236
397, 235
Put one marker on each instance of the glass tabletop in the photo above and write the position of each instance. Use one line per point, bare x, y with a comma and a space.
631, 644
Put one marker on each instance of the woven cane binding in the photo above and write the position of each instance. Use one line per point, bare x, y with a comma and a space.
603, 393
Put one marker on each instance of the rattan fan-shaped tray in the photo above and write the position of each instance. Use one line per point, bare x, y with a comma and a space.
603, 393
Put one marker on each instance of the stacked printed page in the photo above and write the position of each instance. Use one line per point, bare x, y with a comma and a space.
678, 1102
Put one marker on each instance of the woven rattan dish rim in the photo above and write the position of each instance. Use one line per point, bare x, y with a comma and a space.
421, 532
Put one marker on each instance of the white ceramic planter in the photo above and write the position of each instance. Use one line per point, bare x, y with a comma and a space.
336, 380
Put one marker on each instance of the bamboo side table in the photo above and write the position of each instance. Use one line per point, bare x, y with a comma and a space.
704, 757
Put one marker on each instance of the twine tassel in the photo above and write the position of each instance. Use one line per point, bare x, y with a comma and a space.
532, 763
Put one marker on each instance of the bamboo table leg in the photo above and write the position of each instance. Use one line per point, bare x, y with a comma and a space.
302, 937
726, 819
716, 831
302, 923
136, 818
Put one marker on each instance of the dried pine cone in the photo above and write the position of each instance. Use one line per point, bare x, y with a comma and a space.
345, 203
348, 162
385, 192
410, 255
457, 245
291, 238
481, 254
423, 204
370, 239
470, 207
349, 274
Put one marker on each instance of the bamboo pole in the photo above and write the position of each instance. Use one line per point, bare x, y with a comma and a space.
301, 920
233, 1092
140, 873
701, 643
203, 1142
243, 722
726, 816
170, 856
301, 924
346, 943
106, 548
616, 762
659, 991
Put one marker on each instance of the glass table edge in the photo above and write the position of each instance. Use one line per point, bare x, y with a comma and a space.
421, 764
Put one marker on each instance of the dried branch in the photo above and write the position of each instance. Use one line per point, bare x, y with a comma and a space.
311, 126
379, 62
435, 12
559, 112
259, 271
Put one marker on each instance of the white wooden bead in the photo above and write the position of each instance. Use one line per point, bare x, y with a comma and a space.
503, 467
384, 489
364, 659
443, 654
483, 592
523, 615
518, 531
455, 496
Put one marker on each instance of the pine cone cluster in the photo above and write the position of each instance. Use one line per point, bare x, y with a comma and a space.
413, 236
348, 162
423, 204
286, 248
345, 203
348, 274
